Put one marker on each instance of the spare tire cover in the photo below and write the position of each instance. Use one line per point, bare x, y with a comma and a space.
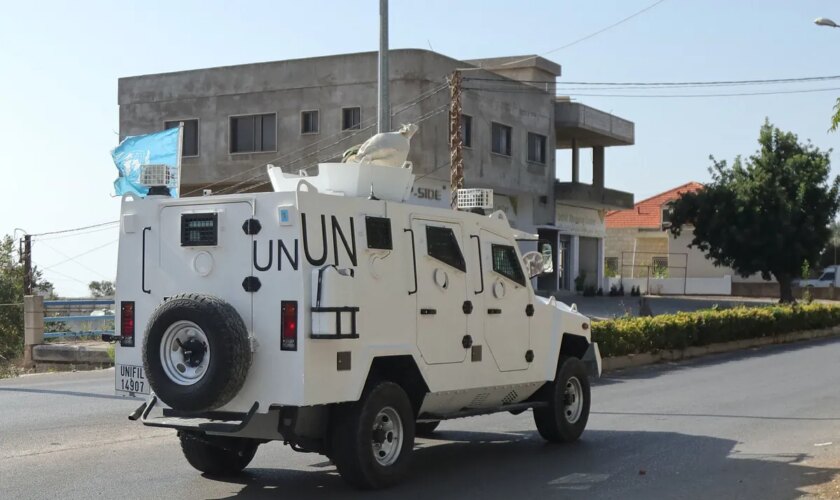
196, 352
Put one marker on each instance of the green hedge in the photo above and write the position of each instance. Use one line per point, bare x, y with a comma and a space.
633, 335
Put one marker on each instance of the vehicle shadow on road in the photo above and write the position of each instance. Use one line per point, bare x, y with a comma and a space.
603, 464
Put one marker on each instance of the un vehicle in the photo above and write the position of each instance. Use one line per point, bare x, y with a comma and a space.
334, 317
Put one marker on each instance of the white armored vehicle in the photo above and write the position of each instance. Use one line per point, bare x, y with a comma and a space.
334, 317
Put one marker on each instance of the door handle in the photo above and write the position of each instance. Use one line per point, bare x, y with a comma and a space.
428, 311
494, 311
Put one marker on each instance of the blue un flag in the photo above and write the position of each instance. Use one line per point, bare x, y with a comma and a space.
154, 153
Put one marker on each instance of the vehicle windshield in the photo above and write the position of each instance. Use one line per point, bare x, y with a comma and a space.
827, 276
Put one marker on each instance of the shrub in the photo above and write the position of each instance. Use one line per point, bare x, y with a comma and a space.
633, 335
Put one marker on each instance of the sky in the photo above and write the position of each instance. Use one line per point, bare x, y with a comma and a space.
60, 62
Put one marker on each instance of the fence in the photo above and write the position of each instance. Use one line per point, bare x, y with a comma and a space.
68, 319
81, 325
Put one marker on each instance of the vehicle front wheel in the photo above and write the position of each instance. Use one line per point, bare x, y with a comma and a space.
567, 413
372, 439
216, 455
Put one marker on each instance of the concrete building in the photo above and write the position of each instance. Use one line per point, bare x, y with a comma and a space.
298, 113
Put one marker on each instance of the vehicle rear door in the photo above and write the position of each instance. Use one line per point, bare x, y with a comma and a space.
441, 290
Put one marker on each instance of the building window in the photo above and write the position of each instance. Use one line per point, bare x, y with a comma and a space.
501, 139
506, 263
309, 122
189, 141
466, 131
442, 245
253, 133
536, 148
351, 118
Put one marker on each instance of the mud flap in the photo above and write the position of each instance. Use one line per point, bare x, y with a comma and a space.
592, 360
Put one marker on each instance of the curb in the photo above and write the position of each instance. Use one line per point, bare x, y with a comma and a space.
65, 354
647, 358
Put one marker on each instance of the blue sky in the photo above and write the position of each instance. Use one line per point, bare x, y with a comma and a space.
60, 63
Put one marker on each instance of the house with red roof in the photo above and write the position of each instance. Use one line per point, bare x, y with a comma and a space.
639, 247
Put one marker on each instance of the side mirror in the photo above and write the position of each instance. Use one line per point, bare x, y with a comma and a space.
548, 257
535, 264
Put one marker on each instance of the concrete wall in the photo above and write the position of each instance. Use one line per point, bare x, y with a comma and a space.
588, 260
647, 245
674, 286
328, 84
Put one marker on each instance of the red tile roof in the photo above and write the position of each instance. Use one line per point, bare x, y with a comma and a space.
648, 212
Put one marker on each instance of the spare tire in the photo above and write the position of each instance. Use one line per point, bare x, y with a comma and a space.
196, 352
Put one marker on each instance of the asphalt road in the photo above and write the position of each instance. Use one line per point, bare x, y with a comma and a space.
757, 424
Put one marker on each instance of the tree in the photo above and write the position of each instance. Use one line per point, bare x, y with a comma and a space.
835, 120
767, 214
11, 298
102, 288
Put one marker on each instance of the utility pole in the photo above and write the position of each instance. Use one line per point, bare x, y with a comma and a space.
26, 258
384, 102
456, 144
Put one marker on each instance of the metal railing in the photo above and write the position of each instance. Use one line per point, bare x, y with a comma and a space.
71, 314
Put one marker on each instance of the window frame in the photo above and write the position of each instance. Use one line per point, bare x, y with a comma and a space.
242, 115
509, 148
341, 118
493, 247
317, 121
544, 152
461, 264
464, 130
197, 135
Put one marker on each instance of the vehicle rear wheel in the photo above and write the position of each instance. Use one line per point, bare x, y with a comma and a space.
568, 400
196, 352
217, 455
372, 439
425, 428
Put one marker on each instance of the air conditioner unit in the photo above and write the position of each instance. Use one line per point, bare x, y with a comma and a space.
475, 198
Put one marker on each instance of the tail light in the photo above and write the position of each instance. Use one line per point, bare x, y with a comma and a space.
288, 325
127, 324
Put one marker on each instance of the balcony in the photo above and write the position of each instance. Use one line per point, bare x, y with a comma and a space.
580, 126
590, 196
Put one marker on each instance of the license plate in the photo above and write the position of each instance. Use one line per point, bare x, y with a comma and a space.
131, 379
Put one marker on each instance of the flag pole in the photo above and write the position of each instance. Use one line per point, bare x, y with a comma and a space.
180, 151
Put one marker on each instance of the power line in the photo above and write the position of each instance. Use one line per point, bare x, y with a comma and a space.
76, 234
735, 94
77, 228
344, 137
698, 83
79, 255
73, 259
587, 37
419, 120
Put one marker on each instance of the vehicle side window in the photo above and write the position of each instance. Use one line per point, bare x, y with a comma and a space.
827, 277
442, 245
506, 263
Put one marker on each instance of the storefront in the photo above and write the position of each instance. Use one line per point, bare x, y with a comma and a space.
577, 240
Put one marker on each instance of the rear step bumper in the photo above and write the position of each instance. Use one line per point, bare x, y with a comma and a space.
210, 422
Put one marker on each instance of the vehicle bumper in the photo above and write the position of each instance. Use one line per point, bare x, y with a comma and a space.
592, 360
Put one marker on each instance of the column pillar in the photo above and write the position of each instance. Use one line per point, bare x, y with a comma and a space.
600, 264
598, 166
574, 260
33, 326
575, 162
